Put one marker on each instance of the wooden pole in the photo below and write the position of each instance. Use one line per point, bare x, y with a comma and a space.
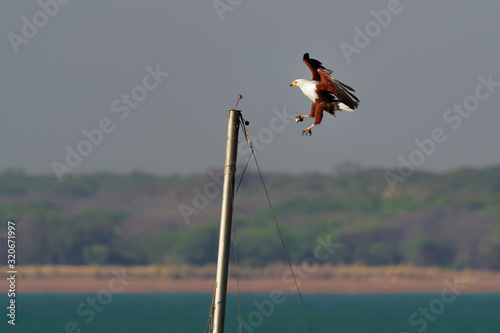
226, 221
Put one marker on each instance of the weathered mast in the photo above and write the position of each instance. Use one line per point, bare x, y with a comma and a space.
226, 220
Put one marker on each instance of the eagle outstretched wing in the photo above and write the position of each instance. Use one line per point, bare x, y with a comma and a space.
314, 65
342, 91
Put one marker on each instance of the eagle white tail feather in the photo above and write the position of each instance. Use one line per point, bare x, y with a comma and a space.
344, 107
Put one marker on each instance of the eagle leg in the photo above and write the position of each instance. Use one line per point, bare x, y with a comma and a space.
307, 131
318, 116
300, 118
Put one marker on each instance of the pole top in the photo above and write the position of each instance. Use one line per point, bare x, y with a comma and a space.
239, 97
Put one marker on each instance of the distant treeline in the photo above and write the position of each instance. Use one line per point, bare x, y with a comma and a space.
450, 220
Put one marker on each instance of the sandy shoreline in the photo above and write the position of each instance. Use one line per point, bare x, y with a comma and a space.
334, 285
189, 279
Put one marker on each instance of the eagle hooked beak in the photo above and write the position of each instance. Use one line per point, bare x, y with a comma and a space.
294, 83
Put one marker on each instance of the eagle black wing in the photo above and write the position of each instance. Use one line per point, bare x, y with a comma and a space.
345, 94
314, 65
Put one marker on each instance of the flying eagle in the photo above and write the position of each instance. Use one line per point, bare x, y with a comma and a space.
327, 93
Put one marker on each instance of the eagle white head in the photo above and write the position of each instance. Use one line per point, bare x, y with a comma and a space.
307, 87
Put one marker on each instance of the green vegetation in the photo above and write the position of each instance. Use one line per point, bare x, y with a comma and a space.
448, 220
428, 252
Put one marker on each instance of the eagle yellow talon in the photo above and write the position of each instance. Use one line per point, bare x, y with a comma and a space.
307, 132
298, 119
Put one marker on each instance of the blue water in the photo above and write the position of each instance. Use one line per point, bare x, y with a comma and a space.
75, 313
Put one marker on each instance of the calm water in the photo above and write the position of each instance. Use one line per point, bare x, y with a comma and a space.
261, 313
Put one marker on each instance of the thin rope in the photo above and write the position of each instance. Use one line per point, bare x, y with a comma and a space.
275, 220
237, 274
234, 239
243, 174
282, 241
208, 323
211, 314
236, 254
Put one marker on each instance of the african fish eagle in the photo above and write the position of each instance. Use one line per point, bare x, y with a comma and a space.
326, 93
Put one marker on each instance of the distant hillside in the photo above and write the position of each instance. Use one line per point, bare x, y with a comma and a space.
450, 219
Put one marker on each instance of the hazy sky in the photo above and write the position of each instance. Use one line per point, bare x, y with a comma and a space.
73, 66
